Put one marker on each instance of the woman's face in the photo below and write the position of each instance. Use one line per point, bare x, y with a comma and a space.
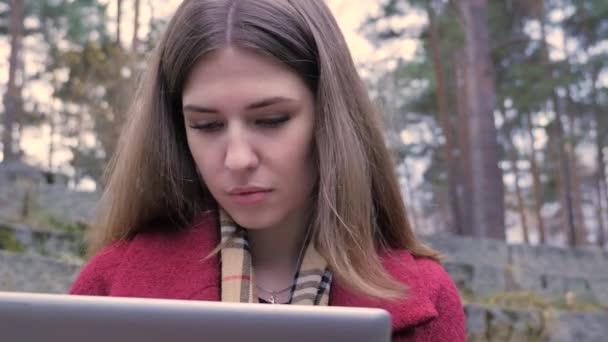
249, 123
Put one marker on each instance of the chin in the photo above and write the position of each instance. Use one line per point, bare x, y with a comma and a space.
252, 221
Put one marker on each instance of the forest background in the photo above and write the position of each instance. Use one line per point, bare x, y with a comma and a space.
496, 111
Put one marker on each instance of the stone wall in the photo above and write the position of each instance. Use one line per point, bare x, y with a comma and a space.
493, 323
32, 241
27, 198
480, 268
486, 267
32, 273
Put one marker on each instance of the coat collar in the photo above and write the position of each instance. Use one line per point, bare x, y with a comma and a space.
416, 308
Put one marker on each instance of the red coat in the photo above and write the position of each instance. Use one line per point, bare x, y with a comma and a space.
170, 265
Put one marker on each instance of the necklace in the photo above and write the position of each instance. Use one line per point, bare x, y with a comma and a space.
273, 293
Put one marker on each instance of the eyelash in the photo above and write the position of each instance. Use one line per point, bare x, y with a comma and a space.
215, 126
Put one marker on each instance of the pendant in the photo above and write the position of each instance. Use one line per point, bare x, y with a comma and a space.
272, 300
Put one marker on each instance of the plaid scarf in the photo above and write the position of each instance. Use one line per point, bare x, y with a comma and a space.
312, 281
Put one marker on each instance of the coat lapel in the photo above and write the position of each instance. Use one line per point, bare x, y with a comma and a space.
413, 310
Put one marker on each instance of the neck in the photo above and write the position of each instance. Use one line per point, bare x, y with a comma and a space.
276, 251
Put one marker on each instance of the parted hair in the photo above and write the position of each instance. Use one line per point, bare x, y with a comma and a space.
152, 180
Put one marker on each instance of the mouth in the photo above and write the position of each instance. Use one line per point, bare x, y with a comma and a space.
249, 196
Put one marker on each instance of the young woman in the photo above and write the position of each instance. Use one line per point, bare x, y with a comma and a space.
253, 169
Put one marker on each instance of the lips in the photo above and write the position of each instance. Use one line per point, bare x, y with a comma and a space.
249, 195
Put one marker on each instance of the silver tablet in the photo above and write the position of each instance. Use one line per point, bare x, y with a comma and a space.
27, 317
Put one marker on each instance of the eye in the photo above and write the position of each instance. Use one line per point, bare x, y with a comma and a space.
272, 121
212, 126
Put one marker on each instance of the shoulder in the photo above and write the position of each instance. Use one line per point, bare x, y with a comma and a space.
424, 277
145, 252
438, 279
97, 273
403, 265
424, 272
166, 241
428, 280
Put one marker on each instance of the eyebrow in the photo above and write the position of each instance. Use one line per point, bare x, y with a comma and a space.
255, 105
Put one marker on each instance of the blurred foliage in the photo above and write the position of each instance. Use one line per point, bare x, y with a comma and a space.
93, 77
526, 85
100, 85
9, 242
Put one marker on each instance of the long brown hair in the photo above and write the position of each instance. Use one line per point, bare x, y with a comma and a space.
152, 178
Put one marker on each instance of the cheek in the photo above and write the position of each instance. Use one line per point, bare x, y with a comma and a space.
306, 153
304, 182
202, 158
194, 148
311, 170
300, 163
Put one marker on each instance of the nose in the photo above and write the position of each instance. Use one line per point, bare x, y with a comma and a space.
240, 154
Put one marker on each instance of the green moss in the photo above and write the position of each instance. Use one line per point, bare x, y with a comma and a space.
9, 242
41, 218
466, 295
573, 303
42, 251
65, 226
531, 300
515, 300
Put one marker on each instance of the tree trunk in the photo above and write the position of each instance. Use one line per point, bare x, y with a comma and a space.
513, 158
118, 20
465, 182
600, 174
563, 150
564, 172
573, 110
12, 98
51, 115
521, 206
446, 123
601, 186
488, 188
577, 196
412, 209
538, 203
135, 40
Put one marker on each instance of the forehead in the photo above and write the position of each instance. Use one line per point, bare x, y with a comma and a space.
238, 75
